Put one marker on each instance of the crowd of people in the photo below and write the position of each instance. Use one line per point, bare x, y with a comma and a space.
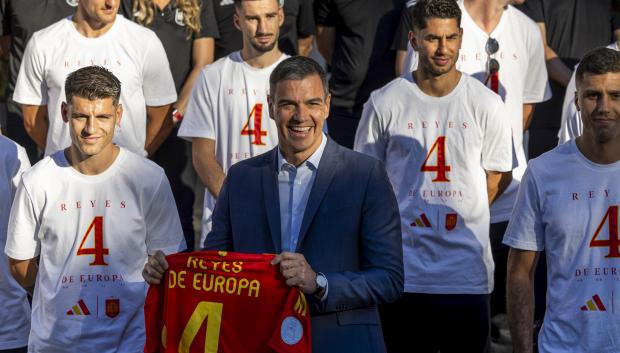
423, 170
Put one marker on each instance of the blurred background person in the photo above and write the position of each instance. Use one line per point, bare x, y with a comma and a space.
19, 20
187, 30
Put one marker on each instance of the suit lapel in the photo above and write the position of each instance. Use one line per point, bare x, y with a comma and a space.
272, 199
325, 173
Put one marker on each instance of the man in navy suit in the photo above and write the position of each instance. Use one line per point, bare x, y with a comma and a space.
330, 213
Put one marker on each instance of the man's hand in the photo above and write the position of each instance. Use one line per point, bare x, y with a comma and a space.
155, 267
297, 271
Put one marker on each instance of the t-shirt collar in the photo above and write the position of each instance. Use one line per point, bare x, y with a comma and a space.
312, 161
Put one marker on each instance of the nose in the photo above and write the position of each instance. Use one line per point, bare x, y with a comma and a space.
602, 105
442, 47
262, 26
90, 126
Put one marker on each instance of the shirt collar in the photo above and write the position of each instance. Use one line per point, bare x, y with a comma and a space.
312, 161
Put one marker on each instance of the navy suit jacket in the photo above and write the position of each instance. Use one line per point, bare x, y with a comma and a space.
350, 231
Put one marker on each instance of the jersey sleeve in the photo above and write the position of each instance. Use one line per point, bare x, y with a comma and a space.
22, 237
370, 135
163, 227
157, 83
497, 140
305, 20
536, 88
199, 118
208, 22
153, 318
31, 87
292, 334
525, 228
324, 14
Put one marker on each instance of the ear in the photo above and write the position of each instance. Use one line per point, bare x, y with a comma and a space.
64, 111
328, 102
281, 16
412, 40
236, 20
271, 106
577, 102
119, 114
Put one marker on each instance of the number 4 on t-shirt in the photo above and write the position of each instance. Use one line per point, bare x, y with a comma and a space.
613, 242
96, 227
256, 131
441, 167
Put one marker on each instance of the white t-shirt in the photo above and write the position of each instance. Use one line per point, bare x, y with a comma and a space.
14, 307
568, 206
436, 151
228, 103
571, 125
522, 79
133, 53
93, 234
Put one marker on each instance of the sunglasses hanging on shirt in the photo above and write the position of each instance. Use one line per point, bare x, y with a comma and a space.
492, 47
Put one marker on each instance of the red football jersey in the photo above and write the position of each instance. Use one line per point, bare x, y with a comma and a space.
216, 301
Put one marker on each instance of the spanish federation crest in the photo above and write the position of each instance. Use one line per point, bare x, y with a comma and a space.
112, 307
451, 220
178, 17
72, 3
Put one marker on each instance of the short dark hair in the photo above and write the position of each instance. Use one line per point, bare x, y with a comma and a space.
238, 3
92, 82
425, 9
598, 61
297, 68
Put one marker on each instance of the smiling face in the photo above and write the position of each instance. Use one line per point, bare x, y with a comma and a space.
437, 45
100, 12
299, 108
259, 22
91, 125
598, 100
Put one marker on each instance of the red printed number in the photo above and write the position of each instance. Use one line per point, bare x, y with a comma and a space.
97, 250
255, 129
613, 242
441, 168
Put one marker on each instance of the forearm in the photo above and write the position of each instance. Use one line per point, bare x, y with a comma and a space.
528, 112
24, 272
186, 90
558, 71
158, 127
325, 40
520, 305
206, 165
36, 123
497, 183
304, 45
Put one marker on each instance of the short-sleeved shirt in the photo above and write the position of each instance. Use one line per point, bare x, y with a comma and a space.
362, 59
568, 206
15, 310
229, 105
169, 27
298, 22
22, 18
131, 52
436, 151
92, 234
522, 79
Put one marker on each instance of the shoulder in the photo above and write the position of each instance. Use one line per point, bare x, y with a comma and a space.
11, 153
480, 94
383, 97
253, 164
519, 20
553, 162
44, 170
140, 35
51, 33
217, 68
142, 169
352, 162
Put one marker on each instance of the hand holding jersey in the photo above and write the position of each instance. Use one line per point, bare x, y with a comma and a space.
568, 206
92, 228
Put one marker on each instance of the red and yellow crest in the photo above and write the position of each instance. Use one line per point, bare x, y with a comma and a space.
112, 307
451, 220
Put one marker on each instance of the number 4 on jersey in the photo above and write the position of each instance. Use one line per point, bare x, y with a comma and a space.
613, 242
441, 167
255, 129
96, 227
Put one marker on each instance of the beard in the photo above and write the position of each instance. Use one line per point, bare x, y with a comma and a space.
263, 48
